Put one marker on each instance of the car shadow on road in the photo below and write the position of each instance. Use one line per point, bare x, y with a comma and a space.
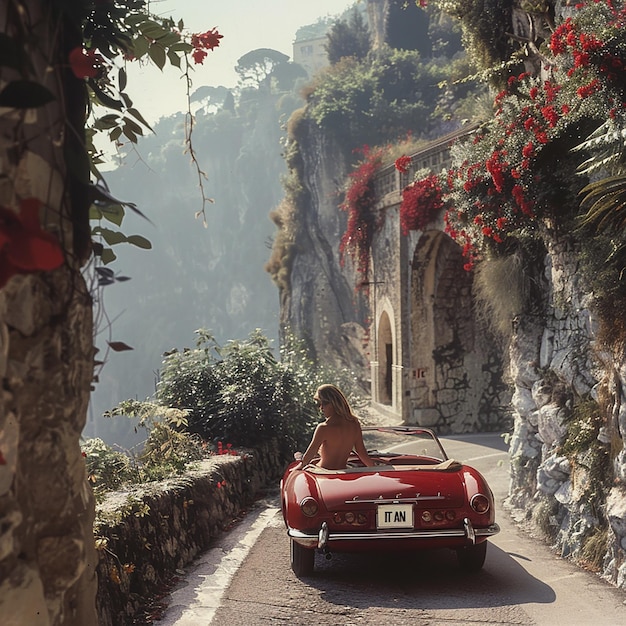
425, 580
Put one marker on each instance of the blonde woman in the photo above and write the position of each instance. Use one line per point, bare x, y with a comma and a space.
336, 437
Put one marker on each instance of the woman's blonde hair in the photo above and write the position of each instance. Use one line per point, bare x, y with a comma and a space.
334, 396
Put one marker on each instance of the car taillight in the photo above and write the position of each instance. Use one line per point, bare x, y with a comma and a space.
438, 516
309, 507
480, 503
354, 519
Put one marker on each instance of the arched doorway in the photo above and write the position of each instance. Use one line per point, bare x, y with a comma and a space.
385, 360
444, 377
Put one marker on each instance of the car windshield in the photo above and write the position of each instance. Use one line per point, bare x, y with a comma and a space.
403, 440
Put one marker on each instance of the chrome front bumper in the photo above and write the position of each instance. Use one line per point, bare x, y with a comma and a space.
324, 537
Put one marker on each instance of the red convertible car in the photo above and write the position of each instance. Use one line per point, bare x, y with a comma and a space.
414, 498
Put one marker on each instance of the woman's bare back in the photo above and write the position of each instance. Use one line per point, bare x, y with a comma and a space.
340, 437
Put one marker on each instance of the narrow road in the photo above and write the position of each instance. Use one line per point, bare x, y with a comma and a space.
247, 581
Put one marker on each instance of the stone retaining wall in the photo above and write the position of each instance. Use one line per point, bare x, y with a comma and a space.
555, 366
154, 530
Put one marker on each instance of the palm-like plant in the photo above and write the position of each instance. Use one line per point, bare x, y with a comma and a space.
605, 198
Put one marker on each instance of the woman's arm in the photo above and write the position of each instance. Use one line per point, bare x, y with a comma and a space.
313, 450
359, 448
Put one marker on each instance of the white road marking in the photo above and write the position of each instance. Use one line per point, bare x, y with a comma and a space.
200, 595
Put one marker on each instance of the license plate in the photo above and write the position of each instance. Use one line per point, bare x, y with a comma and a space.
394, 516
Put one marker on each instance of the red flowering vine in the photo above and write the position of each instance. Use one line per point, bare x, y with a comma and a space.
359, 204
422, 202
24, 246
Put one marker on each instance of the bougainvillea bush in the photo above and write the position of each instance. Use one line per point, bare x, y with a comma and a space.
422, 203
359, 205
520, 173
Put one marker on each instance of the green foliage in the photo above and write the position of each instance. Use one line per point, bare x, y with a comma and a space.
445, 35
348, 38
239, 392
484, 37
107, 469
378, 99
544, 516
168, 449
505, 185
583, 427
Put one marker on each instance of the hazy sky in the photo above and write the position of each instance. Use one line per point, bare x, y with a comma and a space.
245, 25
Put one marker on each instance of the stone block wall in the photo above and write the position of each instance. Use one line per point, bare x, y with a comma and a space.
555, 464
154, 530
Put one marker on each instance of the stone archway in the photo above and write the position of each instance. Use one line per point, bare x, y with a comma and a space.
442, 356
384, 346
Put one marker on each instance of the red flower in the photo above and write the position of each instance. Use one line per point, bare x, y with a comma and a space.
587, 90
85, 63
24, 246
495, 167
198, 55
421, 204
209, 40
402, 164
550, 114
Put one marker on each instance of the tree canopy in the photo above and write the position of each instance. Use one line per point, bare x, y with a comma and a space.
256, 67
348, 38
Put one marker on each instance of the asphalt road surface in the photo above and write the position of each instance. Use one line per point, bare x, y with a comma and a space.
246, 578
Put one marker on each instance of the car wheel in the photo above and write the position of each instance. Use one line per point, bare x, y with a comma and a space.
302, 559
472, 558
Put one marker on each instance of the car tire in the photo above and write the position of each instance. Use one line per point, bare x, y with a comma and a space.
302, 559
472, 558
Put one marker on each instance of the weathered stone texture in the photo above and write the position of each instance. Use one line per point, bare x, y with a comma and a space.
160, 528
553, 363
322, 306
47, 555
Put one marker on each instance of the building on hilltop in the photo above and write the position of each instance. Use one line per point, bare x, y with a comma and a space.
309, 46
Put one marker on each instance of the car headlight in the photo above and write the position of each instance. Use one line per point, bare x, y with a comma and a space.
480, 503
309, 507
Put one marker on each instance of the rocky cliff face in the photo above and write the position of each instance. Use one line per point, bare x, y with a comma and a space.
568, 460
323, 306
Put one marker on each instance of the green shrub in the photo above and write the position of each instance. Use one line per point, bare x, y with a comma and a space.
107, 469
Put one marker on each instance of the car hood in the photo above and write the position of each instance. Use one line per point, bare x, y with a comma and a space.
427, 488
